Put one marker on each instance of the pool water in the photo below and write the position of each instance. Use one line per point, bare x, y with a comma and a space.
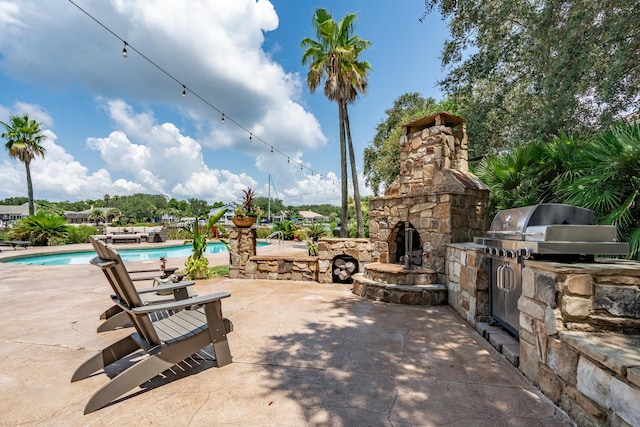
75, 258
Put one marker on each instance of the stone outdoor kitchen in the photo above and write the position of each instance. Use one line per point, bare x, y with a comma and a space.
579, 321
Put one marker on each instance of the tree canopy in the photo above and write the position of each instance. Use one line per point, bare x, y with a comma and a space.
522, 70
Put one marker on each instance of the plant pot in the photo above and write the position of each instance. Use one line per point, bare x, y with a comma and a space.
243, 221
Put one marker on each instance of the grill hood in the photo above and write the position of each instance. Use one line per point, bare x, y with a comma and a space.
551, 228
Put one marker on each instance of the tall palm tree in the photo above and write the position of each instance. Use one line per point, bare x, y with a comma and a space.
24, 137
333, 57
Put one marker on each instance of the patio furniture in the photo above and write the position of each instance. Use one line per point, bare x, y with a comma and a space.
13, 243
162, 291
138, 233
166, 342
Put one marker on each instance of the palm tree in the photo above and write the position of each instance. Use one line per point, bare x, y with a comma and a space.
605, 179
23, 143
97, 215
333, 57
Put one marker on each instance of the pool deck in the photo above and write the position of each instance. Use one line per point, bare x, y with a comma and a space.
304, 354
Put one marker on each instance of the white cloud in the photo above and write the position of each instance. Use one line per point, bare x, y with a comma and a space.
213, 47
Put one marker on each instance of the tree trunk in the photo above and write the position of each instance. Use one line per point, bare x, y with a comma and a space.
29, 188
344, 212
354, 174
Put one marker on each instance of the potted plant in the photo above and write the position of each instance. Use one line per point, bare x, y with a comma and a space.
246, 212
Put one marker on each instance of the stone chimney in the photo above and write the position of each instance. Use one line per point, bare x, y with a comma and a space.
434, 194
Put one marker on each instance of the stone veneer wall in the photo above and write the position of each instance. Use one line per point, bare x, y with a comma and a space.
242, 242
282, 268
468, 282
362, 250
572, 316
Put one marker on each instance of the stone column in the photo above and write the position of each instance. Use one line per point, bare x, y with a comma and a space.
243, 247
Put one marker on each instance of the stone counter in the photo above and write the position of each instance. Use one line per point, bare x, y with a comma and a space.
580, 337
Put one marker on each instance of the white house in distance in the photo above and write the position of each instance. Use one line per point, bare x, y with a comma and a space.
13, 212
311, 216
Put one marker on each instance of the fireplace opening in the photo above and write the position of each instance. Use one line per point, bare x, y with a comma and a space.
405, 241
343, 268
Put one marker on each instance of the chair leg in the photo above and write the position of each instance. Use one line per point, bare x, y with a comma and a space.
107, 356
115, 321
110, 312
127, 380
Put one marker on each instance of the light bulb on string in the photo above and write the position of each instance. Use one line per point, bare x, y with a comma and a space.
184, 91
250, 136
124, 50
271, 149
222, 118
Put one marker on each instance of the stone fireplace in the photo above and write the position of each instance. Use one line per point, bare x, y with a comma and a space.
434, 197
404, 241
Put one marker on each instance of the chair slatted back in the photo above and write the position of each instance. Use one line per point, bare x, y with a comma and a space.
119, 279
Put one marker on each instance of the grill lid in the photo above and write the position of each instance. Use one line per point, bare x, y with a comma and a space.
513, 223
551, 229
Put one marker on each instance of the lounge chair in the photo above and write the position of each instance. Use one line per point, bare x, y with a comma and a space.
13, 243
163, 291
167, 341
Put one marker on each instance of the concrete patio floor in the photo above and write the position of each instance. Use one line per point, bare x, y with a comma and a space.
304, 353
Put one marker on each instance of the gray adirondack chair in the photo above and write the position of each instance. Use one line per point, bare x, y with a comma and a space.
116, 317
166, 341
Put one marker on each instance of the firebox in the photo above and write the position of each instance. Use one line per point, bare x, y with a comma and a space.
404, 241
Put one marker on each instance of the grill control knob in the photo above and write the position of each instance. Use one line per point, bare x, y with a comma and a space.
494, 251
526, 253
502, 252
487, 250
511, 254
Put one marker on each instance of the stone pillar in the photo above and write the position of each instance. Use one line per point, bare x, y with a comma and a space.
243, 246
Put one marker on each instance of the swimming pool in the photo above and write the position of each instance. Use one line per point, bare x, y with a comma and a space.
75, 258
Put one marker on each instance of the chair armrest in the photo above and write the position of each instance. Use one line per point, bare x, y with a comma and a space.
175, 305
167, 287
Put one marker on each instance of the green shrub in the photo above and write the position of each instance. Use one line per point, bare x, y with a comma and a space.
197, 268
42, 229
287, 227
315, 231
263, 232
80, 234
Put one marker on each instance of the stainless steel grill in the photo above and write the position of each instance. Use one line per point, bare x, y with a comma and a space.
544, 231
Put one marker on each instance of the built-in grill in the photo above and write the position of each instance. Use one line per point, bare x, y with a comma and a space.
544, 231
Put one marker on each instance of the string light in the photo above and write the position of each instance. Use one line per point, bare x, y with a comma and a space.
184, 90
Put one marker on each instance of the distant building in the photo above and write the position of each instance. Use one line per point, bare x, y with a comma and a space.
84, 217
311, 216
13, 213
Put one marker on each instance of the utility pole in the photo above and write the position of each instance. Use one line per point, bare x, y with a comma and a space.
269, 201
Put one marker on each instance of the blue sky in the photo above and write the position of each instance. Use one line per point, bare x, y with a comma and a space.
120, 126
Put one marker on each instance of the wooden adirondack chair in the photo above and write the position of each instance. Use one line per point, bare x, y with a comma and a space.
116, 317
167, 341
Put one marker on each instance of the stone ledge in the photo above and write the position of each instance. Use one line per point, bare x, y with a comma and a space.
501, 341
617, 352
283, 258
433, 294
